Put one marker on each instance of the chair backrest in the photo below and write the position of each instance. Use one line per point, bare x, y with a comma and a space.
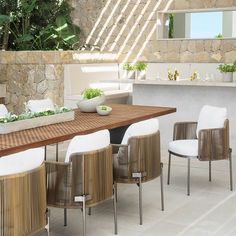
21, 162
211, 117
22, 197
87, 173
3, 110
88, 143
40, 105
143, 154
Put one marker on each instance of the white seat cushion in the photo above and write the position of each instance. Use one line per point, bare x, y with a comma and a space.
141, 128
87, 143
21, 162
211, 117
187, 147
3, 111
40, 105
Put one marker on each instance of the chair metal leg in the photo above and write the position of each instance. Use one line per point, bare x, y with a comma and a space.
115, 209
65, 217
230, 170
169, 163
90, 211
47, 227
188, 181
140, 202
57, 151
84, 215
115, 190
45, 153
162, 191
210, 171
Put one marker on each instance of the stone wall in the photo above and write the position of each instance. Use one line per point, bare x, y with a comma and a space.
35, 75
128, 28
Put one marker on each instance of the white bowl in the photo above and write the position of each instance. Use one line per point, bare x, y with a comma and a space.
103, 112
89, 105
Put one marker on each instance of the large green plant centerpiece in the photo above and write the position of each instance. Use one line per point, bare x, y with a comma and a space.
37, 25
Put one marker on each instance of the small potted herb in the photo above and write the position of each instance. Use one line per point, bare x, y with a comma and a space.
227, 71
90, 99
130, 70
140, 68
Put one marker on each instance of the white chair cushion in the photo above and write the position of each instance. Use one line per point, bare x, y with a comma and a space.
3, 111
40, 105
211, 117
21, 162
188, 147
87, 143
145, 127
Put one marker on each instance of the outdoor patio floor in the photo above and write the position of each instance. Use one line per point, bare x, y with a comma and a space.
210, 210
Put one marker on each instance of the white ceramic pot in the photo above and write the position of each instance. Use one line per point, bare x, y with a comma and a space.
141, 75
130, 74
89, 105
227, 77
103, 110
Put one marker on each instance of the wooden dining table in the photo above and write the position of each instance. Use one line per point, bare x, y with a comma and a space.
84, 123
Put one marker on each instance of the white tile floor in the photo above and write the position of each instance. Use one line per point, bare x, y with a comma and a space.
210, 210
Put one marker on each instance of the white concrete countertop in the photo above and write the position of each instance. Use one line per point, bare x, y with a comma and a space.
2, 90
186, 83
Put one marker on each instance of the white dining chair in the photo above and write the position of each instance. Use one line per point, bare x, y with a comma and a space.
205, 140
23, 208
41, 106
138, 159
85, 178
3, 110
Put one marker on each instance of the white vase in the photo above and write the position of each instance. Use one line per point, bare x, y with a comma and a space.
130, 74
141, 75
89, 105
227, 77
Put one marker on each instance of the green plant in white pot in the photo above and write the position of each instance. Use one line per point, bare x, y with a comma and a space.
140, 68
90, 99
227, 71
130, 70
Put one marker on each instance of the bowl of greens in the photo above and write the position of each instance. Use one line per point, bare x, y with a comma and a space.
90, 99
103, 110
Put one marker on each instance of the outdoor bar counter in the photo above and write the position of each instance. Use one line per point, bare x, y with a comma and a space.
188, 97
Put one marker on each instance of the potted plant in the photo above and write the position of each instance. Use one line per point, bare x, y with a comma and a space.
140, 68
130, 70
227, 71
90, 99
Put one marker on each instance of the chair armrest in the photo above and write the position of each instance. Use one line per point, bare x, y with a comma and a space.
185, 130
213, 144
56, 163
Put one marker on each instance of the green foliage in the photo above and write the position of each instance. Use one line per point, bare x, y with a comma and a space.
37, 25
219, 36
224, 68
92, 93
128, 67
140, 66
171, 26
29, 115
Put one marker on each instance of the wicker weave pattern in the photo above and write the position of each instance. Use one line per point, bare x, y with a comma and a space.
185, 130
84, 123
141, 155
87, 174
213, 144
23, 203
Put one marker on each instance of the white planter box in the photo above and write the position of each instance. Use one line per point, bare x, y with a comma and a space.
36, 122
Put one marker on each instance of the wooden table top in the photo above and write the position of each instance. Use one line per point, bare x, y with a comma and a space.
84, 123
